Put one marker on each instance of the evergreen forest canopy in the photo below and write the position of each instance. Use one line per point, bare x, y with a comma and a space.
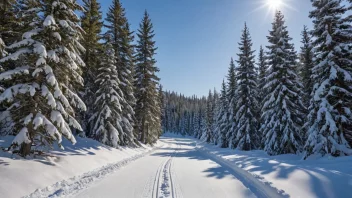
62, 76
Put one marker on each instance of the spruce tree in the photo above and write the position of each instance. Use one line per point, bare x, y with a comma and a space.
107, 107
231, 97
44, 84
120, 37
147, 108
8, 24
197, 123
207, 132
262, 69
306, 66
222, 118
91, 21
330, 118
215, 109
283, 106
246, 135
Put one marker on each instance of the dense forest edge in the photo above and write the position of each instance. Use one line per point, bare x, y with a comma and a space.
62, 76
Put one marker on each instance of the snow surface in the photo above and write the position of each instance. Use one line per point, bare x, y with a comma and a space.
289, 174
176, 167
87, 159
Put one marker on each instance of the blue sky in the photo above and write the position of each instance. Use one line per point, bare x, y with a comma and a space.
197, 38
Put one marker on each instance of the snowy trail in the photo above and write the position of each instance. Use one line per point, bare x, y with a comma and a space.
175, 171
178, 169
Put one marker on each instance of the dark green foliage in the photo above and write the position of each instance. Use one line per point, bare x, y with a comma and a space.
306, 59
246, 117
91, 21
148, 123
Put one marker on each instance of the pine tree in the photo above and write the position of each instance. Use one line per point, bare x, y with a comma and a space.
330, 118
107, 107
231, 97
207, 132
222, 118
197, 123
43, 90
8, 24
246, 135
91, 21
306, 57
262, 69
120, 37
147, 108
282, 110
215, 110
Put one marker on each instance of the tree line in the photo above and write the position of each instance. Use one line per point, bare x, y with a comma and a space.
283, 102
61, 75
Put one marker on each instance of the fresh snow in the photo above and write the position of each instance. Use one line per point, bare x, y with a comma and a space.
87, 160
176, 167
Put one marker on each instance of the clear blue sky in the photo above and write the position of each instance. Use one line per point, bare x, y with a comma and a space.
197, 38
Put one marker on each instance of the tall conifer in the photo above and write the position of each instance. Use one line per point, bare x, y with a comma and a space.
47, 76
91, 21
330, 117
283, 107
245, 135
148, 124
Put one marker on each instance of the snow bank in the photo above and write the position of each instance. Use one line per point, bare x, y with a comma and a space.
289, 174
75, 167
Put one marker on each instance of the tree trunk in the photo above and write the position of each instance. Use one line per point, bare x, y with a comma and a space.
25, 149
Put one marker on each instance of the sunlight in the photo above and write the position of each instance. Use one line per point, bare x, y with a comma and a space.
271, 6
274, 4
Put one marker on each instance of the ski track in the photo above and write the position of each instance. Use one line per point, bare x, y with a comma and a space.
74, 185
164, 184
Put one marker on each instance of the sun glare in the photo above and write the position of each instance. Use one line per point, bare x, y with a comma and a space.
274, 4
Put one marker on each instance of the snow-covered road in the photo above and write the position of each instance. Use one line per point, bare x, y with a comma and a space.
177, 169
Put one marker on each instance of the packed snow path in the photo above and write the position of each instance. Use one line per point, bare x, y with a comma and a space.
177, 169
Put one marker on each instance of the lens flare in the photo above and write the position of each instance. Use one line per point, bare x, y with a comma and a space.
274, 4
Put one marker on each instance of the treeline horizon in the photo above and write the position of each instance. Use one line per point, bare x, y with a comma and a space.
282, 101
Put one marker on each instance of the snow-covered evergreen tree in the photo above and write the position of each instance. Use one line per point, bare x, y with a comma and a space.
222, 118
147, 108
107, 113
120, 37
246, 118
9, 24
231, 98
306, 60
207, 132
282, 110
330, 117
197, 123
44, 84
91, 21
262, 69
215, 109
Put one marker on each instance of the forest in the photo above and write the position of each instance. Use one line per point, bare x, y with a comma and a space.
62, 76
86, 109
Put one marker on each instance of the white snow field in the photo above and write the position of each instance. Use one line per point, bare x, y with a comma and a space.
76, 166
176, 167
